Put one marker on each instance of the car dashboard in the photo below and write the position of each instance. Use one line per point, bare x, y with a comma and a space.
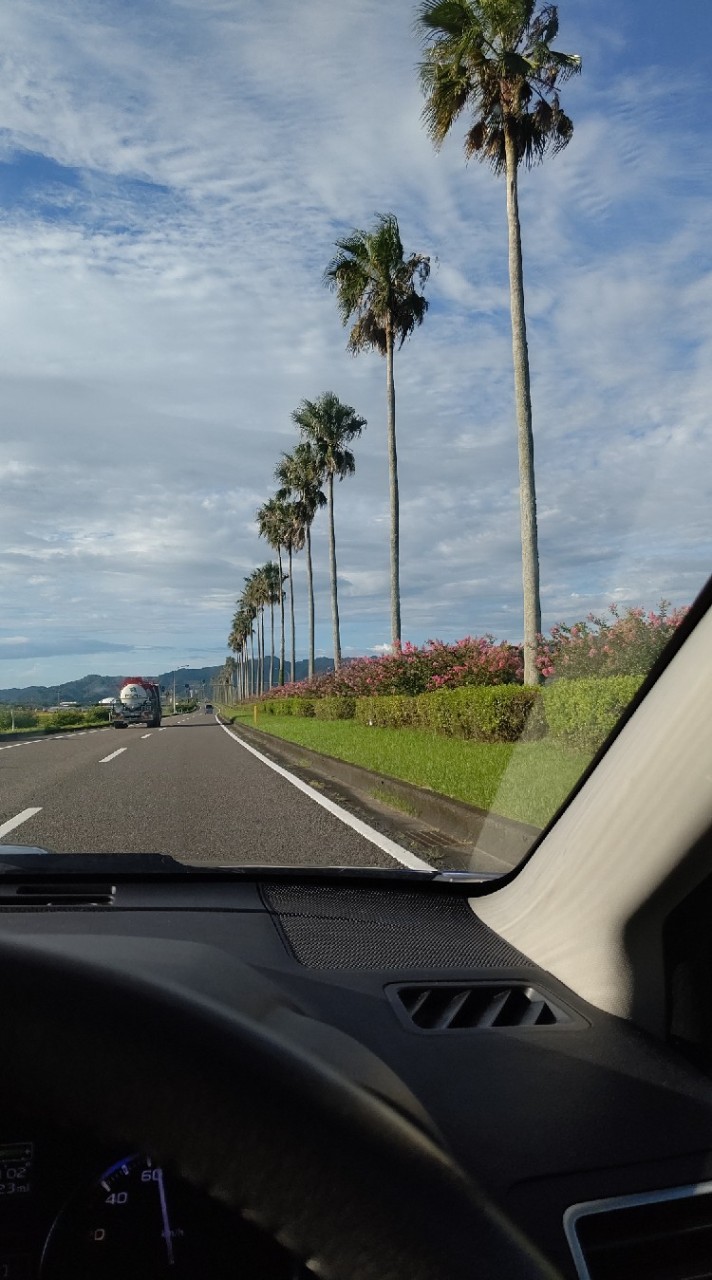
594, 1137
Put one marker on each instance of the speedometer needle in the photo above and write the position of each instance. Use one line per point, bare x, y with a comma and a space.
167, 1236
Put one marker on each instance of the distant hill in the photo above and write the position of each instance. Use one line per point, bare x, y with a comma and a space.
91, 689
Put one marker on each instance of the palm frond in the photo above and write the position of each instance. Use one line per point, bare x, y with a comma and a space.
376, 286
495, 58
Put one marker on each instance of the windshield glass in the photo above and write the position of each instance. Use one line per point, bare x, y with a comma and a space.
355, 463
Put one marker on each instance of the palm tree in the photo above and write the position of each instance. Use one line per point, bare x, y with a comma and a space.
259, 594
494, 58
238, 640
273, 524
330, 426
376, 284
300, 477
273, 580
249, 602
230, 672
295, 538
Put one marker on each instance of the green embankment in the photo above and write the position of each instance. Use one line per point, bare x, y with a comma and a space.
526, 781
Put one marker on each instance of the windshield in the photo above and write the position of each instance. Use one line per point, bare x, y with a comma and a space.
355, 463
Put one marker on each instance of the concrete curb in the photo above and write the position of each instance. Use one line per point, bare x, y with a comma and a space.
500, 843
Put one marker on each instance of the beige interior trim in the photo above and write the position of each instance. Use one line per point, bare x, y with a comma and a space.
590, 904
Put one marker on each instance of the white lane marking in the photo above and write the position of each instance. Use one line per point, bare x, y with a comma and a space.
161, 728
145, 735
50, 737
404, 856
113, 755
17, 820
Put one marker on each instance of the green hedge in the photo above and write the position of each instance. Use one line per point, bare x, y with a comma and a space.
489, 714
583, 712
340, 707
297, 705
389, 711
493, 714
579, 713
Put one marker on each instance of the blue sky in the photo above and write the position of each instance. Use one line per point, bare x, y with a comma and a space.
172, 179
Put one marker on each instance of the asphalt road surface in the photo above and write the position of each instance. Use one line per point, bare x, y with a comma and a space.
189, 789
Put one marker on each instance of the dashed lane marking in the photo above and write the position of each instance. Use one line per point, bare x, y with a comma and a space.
53, 737
18, 820
113, 755
145, 735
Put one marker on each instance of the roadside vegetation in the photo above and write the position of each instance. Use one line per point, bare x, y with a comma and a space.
448, 717
27, 720
527, 784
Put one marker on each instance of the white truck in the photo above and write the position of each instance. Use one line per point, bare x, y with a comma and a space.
139, 703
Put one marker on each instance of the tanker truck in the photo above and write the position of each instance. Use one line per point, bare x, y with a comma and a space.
139, 702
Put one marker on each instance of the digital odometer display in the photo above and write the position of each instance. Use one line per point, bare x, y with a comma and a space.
15, 1168
136, 1222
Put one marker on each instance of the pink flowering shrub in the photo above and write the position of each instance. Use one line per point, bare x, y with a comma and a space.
476, 660
622, 645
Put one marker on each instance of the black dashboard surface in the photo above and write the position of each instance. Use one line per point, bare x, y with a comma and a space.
542, 1116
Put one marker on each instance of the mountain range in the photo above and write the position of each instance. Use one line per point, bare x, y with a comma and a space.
91, 689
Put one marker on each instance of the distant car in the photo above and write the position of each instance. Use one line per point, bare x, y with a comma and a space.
208, 706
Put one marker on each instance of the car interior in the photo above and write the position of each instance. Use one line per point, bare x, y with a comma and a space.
268, 1072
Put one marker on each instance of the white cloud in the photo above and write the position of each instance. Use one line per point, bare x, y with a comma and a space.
162, 314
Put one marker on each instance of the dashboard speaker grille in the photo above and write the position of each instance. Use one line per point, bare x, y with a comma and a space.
345, 927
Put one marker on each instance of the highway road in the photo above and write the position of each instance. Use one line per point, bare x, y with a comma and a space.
190, 789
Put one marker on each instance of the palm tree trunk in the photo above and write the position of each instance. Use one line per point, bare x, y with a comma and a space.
332, 570
281, 616
291, 610
271, 624
393, 484
525, 437
252, 663
310, 589
261, 650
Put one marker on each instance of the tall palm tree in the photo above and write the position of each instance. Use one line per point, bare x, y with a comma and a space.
299, 474
494, 59
250, 601
259, 591
295, 538
330, 426
241, 631
377, 286
273, 580
273, 524
230, 672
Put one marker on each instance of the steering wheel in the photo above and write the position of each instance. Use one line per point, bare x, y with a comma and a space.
177, 1050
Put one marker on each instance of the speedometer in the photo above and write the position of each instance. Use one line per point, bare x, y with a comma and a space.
137, 1223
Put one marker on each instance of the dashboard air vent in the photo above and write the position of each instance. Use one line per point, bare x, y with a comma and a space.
56, 894
449, 1006
663, 1235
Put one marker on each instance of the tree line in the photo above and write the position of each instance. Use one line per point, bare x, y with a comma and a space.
494, 61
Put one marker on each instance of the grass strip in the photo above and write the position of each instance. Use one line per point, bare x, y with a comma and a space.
526, 781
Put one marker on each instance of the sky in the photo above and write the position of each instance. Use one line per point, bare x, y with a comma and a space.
173, 177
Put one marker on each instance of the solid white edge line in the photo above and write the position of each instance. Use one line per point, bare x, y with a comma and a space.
113, 755
17, 820
396, 851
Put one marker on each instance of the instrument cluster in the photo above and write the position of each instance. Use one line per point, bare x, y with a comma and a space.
64, 1211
